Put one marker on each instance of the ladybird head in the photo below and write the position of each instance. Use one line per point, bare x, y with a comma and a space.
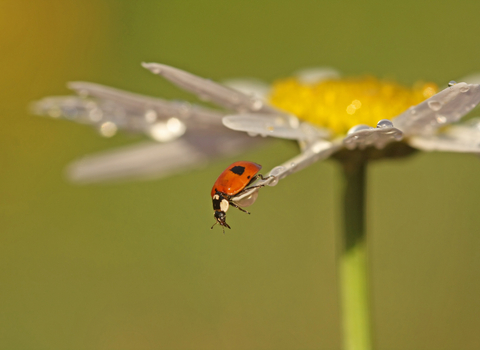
220, 205
220, 216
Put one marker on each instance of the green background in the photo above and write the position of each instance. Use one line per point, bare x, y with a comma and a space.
135, 265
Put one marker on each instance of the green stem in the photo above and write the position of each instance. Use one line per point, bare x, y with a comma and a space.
353, 267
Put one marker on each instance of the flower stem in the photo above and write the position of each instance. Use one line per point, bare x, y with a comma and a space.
354, 296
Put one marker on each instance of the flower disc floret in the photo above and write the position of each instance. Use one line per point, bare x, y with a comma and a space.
339, 104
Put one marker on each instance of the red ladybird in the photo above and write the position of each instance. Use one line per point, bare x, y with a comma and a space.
231, 183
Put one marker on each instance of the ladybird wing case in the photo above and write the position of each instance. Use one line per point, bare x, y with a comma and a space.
236, 177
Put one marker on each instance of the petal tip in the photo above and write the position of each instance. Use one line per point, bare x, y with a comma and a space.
155, 68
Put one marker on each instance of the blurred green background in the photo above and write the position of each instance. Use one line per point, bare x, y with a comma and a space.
136, 266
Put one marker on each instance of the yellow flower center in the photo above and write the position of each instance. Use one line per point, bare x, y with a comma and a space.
340, 104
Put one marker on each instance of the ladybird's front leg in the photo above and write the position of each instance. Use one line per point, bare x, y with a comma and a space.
236, 206
255, 178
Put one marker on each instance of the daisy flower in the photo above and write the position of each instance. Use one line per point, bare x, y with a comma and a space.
353, 120
327, 116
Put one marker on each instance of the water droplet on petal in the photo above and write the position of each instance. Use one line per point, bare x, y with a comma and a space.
384, 123
276, 173
95, 115
293, 121
413, 110
464, 88
434, 105
175, 126
440, 119
452, 82
247, 201
167, 131
257, 104
359, 127
150, 116
293, 165
108, 129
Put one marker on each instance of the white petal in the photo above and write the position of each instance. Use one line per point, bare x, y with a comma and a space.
251, 87
155, 160
457, 138
136, 105
446, 107
362, 136
110, 109
316, 74
274, 126
68, 107
210, 91
315, 152
269, 125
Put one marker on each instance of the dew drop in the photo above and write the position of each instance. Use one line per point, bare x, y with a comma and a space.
359, 127
441, 119
452, 82
464, 88
96, 115
150, 116
247, 201
175, 126
108, 129
293, 165
412, 110
292, 121
434, 105
257, 104
384, 123
276, 173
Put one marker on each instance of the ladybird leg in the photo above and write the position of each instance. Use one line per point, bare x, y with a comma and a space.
255, 178
252, 187
263, 178
236, 206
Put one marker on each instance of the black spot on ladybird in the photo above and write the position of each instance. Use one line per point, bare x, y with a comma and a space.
248, 176
239, 170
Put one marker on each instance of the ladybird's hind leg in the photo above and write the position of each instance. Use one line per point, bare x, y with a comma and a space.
236, 206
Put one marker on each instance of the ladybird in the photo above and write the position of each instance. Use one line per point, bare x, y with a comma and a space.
233, 182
